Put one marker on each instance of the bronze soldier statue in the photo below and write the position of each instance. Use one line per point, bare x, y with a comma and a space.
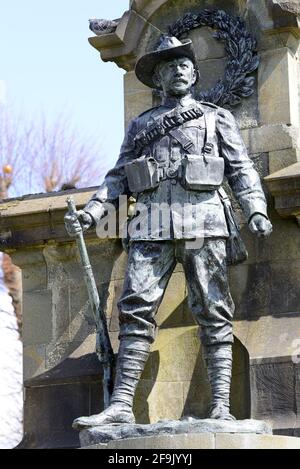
178, 154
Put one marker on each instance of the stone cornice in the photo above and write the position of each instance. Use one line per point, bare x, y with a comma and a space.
284, 186
121, 46
292, 6
36, 219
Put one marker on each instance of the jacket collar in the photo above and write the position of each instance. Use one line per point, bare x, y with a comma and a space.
178, 101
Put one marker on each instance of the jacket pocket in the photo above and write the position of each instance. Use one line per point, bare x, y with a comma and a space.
203, 173
142, 174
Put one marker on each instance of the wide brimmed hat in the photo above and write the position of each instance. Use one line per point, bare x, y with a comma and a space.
170, 47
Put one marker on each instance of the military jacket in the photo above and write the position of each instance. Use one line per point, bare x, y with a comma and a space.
192, 213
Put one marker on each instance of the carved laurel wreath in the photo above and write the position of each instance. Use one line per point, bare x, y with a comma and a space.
240, 46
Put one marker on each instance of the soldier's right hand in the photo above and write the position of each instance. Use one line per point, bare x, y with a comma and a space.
74, 223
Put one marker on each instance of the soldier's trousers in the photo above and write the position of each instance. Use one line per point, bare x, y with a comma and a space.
150, 266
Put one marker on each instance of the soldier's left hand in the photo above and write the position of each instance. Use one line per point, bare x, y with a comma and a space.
260, 226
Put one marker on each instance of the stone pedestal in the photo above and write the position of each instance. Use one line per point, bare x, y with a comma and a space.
187, 434
203, 441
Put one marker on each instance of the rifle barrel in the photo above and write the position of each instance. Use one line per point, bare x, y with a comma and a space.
103, 345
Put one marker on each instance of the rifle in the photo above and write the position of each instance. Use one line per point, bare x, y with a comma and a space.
103, 345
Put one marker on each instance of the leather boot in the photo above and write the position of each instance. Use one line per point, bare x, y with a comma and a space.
218, 359
132, 357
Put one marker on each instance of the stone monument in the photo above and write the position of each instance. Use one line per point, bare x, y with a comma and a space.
62, 374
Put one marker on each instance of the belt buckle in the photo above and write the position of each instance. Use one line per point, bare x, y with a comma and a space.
172, 173
188, 146
208, 148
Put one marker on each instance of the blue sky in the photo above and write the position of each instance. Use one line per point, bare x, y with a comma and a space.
47, 64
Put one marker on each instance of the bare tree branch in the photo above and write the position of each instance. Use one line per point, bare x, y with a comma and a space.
45, 156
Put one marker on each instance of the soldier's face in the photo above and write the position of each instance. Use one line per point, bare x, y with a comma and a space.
176, 77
